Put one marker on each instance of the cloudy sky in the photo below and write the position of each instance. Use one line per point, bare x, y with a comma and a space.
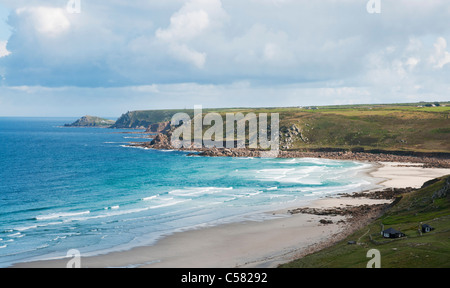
116, 55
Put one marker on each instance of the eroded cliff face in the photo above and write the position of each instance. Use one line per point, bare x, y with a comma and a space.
162, 127
291, 135
132, 120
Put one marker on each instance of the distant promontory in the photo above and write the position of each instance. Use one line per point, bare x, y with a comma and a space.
92, 121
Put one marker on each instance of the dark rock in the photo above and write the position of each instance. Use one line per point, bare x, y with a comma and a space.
162, 127
325, 222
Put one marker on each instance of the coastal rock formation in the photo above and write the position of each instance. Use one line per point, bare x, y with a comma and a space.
130, 120
386, 194
91, 121
162, 127
428, 160
289, 136
162, 141
354, 212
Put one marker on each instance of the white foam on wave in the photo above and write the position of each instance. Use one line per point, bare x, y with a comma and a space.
61, 215
21, 229
165, 202
290, 161
135, 147
59, 238
43, 246
276, 196
109, 214
251, 194
168, 204
307, 175
16, 235
150, 198
198, 191
273, 174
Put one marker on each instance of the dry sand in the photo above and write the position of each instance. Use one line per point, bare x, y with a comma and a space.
253, 244
401, 175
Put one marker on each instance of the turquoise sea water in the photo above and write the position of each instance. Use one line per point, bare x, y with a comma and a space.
81, 188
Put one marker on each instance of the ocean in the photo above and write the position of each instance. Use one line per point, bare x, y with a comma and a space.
83, 188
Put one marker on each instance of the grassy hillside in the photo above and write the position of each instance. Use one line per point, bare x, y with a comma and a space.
386, 127
429, 205
400, 127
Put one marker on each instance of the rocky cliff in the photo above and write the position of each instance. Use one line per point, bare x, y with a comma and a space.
145, 119
162, 127
91, 121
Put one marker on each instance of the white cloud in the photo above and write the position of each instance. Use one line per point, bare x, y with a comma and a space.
194, 19
185, 26
441, 56
411, 72
3, 51
186, 54
269, 44
49, 21
412, 62
260, 47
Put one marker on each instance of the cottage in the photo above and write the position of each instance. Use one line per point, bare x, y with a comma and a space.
426, 228
392, 233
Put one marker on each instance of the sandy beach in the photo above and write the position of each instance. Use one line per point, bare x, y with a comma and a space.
401, 175
256, 244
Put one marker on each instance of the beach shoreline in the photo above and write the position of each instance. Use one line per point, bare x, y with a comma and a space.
263, 244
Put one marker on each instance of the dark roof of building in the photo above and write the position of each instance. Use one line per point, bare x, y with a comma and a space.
391, 231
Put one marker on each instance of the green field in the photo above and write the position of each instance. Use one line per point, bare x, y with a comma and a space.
428, 250
394, 127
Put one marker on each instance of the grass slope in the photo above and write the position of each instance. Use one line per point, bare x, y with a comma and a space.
380, 127
429, 250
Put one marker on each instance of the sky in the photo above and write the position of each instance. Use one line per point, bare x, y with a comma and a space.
104, 58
